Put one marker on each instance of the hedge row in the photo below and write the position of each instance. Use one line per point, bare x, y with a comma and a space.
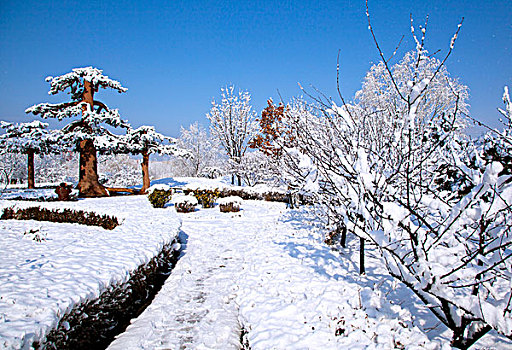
61, 216
95, 323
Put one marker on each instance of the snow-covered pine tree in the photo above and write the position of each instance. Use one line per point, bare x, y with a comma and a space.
145, 141
30, 139
233, 123
84, 133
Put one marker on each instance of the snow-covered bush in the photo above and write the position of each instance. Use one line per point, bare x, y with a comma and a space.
205, 197
159, 195
60, 215
184, 203
230, 204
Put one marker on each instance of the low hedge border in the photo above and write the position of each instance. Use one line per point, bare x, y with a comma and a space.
95, 323
60, 216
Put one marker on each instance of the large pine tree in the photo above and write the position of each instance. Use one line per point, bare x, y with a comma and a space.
87, 131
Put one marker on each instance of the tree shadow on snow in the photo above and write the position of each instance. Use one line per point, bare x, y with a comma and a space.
342, 264
183, 240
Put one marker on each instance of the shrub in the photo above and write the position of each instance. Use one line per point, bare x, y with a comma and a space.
159, 195
185, 204
205, 197
230, 204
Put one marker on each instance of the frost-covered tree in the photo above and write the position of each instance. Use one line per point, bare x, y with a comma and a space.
12, 167
85, 133
232, 123
57, 167
146, 141
380, 166
30, 139
118, 170
204, 152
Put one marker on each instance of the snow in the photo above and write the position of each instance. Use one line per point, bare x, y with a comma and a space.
47, 268
183, 199
267, 270
264, 272
36, 194
231, 199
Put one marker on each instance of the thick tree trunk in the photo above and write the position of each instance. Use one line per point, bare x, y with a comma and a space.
145, 172
30, 168
89, 185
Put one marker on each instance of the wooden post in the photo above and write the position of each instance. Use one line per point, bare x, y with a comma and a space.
30, 168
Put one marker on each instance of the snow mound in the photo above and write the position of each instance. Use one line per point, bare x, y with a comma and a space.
183, 199
230, 200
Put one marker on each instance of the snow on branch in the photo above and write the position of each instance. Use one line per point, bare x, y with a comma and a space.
73, 81
34, 136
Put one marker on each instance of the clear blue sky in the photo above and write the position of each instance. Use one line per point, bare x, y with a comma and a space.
174, 56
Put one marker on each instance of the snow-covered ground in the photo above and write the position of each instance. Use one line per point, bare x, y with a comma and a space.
264, 273
266, 270
47, 268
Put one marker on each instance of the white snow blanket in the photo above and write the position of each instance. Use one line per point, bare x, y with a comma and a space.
267, 270
47, 268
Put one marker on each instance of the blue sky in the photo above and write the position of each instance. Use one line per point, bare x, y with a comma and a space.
174, 56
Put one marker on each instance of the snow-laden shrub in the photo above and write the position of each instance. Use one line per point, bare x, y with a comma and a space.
230, 204
159, 195
205, 197
184, 203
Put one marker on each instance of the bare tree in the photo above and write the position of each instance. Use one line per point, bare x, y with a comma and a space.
396, 169
204, 151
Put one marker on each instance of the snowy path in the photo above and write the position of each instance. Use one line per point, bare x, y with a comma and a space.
197, 303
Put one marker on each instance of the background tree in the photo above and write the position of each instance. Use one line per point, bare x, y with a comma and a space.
30, 139
232, 123
82, 84
274, 130
204, 151
12, 167
118, 170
